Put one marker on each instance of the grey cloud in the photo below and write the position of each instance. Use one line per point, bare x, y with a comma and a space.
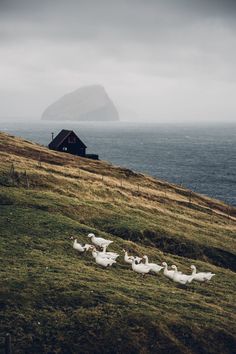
130, 19
133, 46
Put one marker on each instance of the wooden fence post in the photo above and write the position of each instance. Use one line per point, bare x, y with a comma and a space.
27, 180
39, 161
12, 170
190, 197
211, 212
8, 345
228, 212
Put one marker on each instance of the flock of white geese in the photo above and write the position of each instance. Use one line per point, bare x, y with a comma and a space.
139, 265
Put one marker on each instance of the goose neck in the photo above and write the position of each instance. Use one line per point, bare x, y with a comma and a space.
194, 271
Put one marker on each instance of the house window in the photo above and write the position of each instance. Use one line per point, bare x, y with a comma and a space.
72, 140
64, 148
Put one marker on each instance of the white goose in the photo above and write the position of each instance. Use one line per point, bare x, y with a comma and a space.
80, 247
140, 267
153, 266
168, 273
129, 259
181, 278
201, 276
99, 241
109, 254
102, 254
103, 261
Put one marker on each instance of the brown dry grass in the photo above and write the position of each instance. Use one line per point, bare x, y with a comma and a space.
70, 196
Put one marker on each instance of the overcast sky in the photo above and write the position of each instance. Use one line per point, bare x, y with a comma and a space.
162, 60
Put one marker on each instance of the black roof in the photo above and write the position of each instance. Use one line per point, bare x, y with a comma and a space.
58, 140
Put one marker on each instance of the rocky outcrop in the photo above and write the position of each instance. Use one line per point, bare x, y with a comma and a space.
88, 103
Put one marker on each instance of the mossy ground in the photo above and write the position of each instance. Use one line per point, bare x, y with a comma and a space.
54, 300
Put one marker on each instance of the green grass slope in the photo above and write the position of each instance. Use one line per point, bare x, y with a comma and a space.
54, 300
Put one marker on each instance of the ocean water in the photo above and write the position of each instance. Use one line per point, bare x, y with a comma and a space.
200, 157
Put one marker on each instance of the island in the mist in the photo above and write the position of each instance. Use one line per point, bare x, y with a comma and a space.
55, 300
88, 103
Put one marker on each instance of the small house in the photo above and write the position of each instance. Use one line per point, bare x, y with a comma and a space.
68, 141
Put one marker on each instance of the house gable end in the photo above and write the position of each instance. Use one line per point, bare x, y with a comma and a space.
62, 137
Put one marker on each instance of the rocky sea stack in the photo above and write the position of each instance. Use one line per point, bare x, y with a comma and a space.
88, 103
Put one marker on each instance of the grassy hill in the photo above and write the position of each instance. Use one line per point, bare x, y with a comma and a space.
54, 300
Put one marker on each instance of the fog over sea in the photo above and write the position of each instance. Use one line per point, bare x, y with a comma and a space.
201, 157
